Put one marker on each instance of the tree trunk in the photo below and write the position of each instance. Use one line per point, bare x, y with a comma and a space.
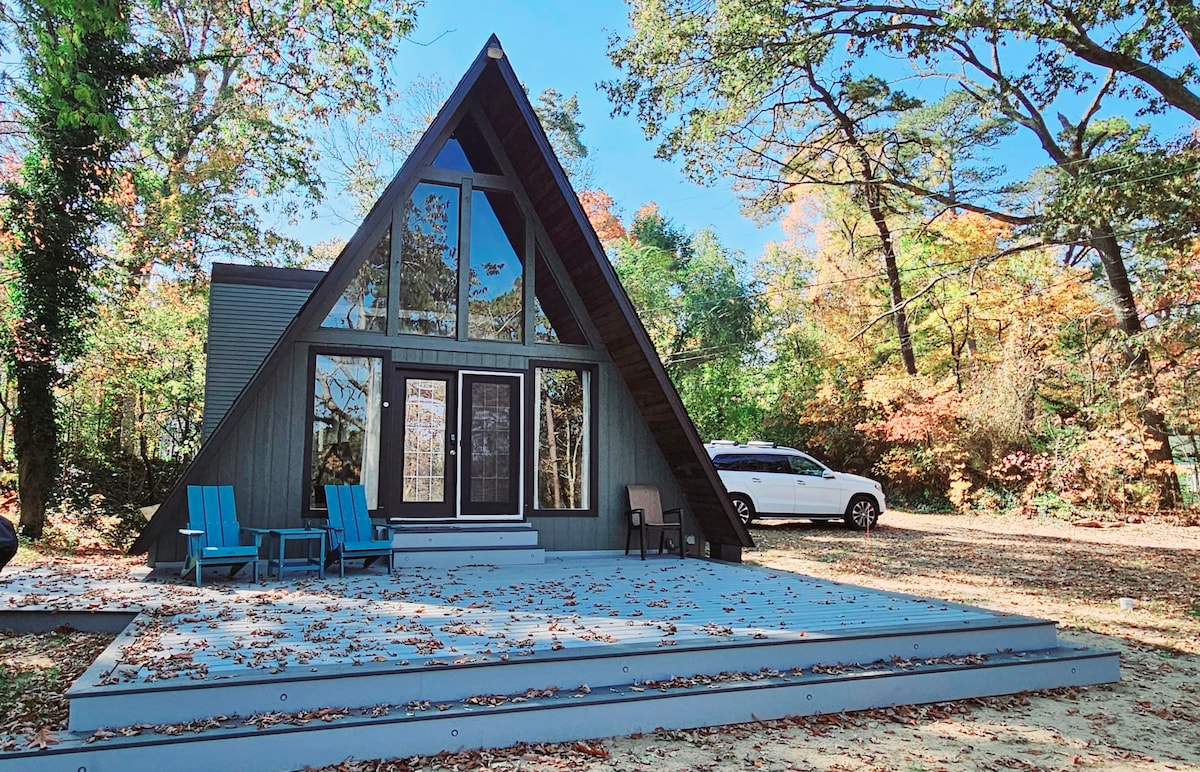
552, 448
35, 440
896, 291
1154, 423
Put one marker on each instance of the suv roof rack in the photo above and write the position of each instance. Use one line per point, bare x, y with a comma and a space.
760, 444
730, 443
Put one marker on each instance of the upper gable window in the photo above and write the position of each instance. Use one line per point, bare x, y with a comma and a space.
555, 322
363, 304
429, 262
496, 300
467, 151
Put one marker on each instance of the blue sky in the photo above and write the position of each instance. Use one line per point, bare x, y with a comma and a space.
561, 44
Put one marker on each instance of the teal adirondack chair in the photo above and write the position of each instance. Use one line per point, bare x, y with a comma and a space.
213, 533
351, 533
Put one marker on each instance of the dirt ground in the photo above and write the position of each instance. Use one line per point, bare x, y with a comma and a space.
1044, 568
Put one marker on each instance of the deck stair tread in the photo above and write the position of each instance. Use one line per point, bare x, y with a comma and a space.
501, 547
449, 545
473, 527
96, 699
567, 711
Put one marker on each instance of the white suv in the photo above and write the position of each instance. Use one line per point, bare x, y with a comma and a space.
769, 481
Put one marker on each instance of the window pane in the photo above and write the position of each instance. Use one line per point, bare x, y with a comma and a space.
346, 420
467, 151
496, 303
490, 441
801, 465
555, 322
564, 443
429, 262
363, 305
424, 439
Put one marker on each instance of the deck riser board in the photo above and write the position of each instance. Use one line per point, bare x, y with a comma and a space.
595, 715
464, 538
298, 688
469, 556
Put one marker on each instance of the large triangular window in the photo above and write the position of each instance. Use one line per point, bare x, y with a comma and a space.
363, 304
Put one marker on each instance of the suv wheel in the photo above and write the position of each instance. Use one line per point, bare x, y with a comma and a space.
743, 507
862, 513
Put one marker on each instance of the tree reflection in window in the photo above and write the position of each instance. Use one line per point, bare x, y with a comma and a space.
363, 304
564, 444
495, 305
429, 262
346, 425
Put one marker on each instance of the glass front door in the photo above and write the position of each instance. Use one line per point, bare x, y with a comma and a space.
458, 446
491, 454
424, 487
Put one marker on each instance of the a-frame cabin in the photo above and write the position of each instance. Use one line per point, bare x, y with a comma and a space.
469, 358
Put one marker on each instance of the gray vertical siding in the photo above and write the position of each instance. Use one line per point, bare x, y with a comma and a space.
244, 321
263, 456
259, 460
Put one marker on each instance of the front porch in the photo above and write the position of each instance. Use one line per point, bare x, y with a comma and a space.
435, 659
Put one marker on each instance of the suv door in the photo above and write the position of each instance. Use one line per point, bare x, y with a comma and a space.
773, 484
815, 495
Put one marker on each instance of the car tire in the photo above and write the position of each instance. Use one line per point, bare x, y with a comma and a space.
862, 513
743, 507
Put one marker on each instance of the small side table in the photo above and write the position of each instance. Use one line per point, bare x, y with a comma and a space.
313, 560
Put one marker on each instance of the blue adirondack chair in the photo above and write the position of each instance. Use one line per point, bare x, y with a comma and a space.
351, 533
213, 533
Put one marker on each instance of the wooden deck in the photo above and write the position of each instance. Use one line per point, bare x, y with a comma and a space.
427, 646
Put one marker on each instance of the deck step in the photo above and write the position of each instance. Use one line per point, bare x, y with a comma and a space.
449, 677
405, 727
482, 537
452, 545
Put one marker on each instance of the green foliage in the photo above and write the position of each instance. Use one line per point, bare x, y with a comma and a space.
559, 116
702, 315
75, 70
790, 97
217, 142
209, 111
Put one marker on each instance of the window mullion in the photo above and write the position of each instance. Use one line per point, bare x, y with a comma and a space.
399, 213
529, 300
464, 257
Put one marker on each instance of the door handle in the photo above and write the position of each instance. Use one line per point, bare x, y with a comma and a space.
756, 479
801, 482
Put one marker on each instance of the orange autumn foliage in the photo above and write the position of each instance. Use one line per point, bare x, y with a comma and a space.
598, 205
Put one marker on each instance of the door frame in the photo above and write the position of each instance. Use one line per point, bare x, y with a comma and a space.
517, 454
399, 371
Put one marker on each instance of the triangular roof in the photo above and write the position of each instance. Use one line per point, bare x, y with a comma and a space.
491, 82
